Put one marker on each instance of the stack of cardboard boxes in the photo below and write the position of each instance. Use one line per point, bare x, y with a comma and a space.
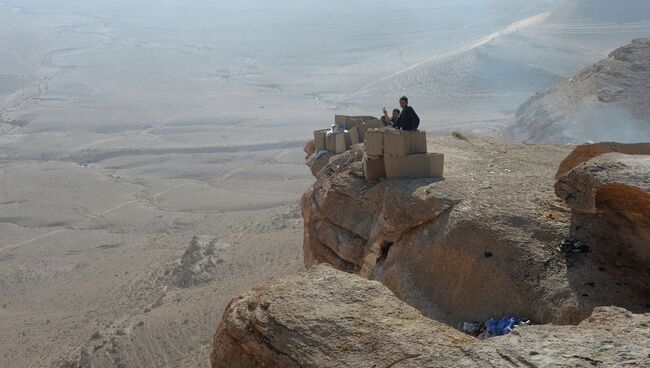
396, 154
355, 129
389, 153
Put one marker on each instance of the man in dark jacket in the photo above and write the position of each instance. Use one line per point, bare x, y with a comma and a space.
408, 119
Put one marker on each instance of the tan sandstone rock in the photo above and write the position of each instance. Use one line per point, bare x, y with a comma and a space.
325, 318
586, 152
610, 201
328, 318
611, 337
310, 148
589, 187
479, 244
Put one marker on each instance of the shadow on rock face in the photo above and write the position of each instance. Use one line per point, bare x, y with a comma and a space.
610, 200
460, 272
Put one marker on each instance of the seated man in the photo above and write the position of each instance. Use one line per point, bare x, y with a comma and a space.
390, 121
408, 119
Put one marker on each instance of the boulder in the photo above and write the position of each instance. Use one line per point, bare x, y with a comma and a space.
611, 337
586, 152
610, 200
310, 148
325, 318
588, 187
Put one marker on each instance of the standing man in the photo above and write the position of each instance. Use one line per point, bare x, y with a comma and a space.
408, 119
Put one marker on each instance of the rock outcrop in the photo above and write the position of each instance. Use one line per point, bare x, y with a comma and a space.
611, 337
610, 200
479, 244
199, 264
586, 152
328, 318
325, 318
608, 100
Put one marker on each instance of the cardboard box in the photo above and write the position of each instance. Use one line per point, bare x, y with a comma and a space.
330, 142
419, 142
358, 134
343, 142
364, 118
337, 142
374, 142
351, 123
375, 123
363, 128
319, 139
355, 136
340, 119
373, 168
424, 165
402, 143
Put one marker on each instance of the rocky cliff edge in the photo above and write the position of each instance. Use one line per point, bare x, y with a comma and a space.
421, 255
481, 243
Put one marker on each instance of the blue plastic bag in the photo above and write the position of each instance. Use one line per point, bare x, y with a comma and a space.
502, 326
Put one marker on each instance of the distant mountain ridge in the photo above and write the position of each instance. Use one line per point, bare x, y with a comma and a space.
609, 100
